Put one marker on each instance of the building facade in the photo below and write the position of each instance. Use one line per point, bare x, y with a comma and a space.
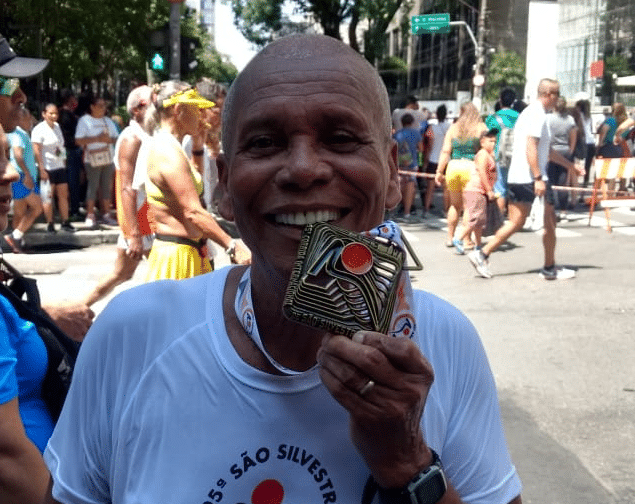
441, 66
597, 31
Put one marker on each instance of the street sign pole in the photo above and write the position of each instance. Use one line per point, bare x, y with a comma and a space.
440, 23
175, 41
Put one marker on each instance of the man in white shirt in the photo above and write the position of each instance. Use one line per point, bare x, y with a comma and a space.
135, 239
527, 179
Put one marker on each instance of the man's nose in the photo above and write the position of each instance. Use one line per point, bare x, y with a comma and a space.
18, 96
304, 166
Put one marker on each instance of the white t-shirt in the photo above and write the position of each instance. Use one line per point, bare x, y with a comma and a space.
89, 126
133, 129
52, 140
438, 130
163, 409
532, 122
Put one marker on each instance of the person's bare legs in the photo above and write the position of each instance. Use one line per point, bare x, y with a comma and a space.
408, 195
19, 208
61, 190
429, 194
517, 214
124, 269
33, 209
105, 208
549, 235
454, 211
48, 209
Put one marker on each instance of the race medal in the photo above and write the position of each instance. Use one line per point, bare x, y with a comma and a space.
343, 281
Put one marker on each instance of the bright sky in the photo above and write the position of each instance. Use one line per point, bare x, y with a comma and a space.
228, 39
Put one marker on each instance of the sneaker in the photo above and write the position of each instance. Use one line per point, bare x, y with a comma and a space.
556, 273
50, 228
481, 265
68, 227
16, 246
90, 221
109, 221
458, 246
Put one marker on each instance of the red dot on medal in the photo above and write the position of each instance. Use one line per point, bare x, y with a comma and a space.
268, 492
357, 258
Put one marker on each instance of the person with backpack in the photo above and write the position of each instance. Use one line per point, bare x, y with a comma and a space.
504, 119
408, 139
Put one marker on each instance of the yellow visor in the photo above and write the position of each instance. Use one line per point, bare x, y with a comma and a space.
190, 97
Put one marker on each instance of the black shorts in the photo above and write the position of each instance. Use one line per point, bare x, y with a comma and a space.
432, 167
58, 176
524, 193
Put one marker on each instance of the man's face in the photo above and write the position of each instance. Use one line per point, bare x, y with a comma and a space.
552, 97
7, 175
11, 100
306, 146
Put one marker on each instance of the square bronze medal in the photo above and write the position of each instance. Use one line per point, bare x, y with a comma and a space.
343, 281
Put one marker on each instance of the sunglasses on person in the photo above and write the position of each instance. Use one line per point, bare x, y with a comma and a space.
8, 86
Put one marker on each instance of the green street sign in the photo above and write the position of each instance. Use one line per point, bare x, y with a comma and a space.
430, 23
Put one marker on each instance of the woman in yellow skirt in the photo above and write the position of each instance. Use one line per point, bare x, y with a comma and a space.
174, 185
457, 156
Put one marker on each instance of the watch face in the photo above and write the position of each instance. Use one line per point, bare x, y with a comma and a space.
429, 488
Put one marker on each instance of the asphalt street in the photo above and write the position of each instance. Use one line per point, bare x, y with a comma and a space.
562, 352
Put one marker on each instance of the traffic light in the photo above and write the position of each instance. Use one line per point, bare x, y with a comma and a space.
188, 54
157, 63
159, 53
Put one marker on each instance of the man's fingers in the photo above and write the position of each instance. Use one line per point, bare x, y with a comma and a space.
402, 353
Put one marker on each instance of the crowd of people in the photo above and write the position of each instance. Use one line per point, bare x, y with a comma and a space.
550, 144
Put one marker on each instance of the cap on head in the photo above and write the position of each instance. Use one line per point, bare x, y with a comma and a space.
12, 65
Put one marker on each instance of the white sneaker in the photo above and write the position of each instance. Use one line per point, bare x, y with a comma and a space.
557, 273
481, 265
90, 221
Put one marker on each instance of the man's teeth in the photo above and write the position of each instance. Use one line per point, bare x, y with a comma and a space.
303, 218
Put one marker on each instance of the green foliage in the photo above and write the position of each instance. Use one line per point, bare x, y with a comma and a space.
258, 20
93, 40
617, 65
261, 21
506, 69
211, 63
393, 64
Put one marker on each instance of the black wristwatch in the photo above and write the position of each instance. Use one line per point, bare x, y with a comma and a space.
427, 487
539, 177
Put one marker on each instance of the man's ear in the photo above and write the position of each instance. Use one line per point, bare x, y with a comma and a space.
393, 193
225, 207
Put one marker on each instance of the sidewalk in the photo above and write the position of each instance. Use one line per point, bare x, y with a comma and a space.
38, 238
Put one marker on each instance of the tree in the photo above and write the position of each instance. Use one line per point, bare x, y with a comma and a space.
95, 41
507, 69
211, 63
262, 21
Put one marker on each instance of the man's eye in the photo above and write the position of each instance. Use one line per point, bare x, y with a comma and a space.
343, 141
260, 143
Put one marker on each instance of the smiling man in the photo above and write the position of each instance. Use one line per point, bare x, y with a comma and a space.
178, 398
